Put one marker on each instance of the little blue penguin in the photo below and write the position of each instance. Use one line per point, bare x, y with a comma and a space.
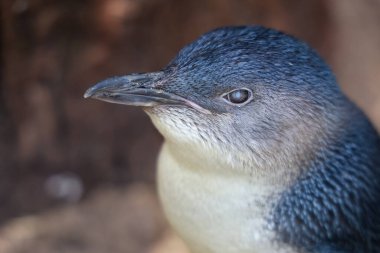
263, 152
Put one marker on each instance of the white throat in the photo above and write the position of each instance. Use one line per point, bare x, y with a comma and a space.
215, 210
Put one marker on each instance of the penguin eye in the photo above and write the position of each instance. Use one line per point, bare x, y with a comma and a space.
238, 96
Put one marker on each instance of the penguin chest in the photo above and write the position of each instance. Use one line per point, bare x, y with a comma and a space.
215, 213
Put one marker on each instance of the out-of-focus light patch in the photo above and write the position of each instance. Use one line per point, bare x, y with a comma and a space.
113, 15
20, 6
64, 186
120, 8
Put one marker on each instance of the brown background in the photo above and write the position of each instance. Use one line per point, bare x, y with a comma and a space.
51, 51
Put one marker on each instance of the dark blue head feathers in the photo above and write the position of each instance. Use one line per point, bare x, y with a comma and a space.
252, 53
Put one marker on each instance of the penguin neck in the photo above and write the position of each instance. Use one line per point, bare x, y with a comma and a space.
339, 186
220, 163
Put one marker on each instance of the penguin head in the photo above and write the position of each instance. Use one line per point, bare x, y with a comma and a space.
249, 95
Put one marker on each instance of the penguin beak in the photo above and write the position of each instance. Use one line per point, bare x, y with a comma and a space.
137, 90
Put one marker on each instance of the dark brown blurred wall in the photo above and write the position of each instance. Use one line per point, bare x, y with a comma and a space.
53, 50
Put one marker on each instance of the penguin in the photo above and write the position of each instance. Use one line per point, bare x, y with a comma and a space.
262, 150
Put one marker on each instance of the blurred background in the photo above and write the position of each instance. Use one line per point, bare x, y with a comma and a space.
79, 175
